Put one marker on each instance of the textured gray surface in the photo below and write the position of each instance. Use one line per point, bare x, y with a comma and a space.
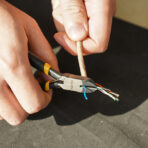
128, 130
70, 121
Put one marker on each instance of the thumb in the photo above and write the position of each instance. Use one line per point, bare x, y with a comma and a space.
74, 19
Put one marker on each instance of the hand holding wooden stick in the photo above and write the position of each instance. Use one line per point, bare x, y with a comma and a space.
81, 59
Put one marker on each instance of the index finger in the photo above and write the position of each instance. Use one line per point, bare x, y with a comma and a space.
24, 86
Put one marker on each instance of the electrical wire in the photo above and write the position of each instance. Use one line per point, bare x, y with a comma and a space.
108, 92
103, 90
85, 96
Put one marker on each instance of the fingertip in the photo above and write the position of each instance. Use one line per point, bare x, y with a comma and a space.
58, 36
67, 44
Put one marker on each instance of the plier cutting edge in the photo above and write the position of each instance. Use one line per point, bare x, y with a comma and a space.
68, 81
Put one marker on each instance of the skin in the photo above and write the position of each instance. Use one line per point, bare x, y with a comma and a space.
88, 21
20, 93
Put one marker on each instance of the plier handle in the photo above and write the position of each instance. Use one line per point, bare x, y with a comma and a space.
65, 81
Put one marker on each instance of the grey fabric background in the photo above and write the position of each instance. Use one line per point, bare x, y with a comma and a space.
70, 121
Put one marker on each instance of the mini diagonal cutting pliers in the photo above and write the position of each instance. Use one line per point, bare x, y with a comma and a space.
65, 81
68, 81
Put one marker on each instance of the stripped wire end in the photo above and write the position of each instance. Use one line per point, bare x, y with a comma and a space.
117, 100
108, 92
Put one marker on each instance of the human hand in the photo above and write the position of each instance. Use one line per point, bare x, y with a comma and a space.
88, 20
20, 93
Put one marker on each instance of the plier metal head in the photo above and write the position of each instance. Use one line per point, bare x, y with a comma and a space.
76, 83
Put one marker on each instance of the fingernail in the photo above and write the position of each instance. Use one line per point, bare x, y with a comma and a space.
77, 32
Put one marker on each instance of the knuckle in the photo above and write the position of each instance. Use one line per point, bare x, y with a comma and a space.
73, 8
12, 62
101, 48
11, 65
56, 14
17, 121
35, 108
40, 104
33, 21
17, 118
110, 7
9, 62
55, 3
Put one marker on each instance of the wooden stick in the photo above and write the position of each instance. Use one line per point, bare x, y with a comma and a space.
81, 59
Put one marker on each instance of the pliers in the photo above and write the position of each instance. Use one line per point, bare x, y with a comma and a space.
67, 81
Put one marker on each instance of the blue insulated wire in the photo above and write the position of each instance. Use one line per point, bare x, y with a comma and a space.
85, 96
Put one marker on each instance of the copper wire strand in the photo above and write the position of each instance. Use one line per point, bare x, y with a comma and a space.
105, 91
110, 94
109, 91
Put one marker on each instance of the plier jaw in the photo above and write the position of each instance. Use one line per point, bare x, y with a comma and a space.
76, 83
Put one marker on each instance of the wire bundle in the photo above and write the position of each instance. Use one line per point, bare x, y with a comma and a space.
108, 92
103, 90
